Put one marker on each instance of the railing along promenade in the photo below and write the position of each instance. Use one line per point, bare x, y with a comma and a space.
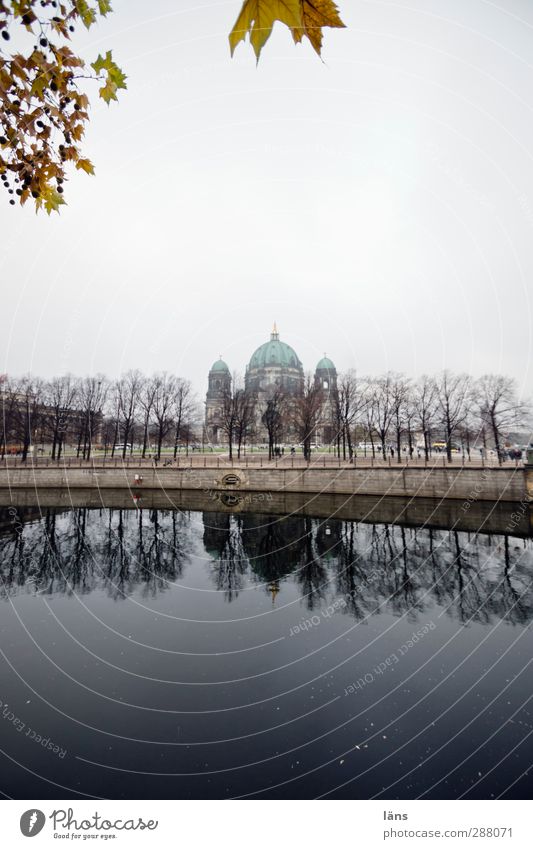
257, 460
471, 480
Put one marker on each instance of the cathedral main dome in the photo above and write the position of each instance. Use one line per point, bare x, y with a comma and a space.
274, 380
274, 353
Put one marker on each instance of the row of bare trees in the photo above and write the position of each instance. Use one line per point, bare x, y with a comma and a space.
148, 410
389, 414
393, 412
283, 413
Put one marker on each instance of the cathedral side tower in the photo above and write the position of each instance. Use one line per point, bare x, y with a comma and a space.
326, 381
219, 385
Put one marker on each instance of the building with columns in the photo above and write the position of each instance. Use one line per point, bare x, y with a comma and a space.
274, 366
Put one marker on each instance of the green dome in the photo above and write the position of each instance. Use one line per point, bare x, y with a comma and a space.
220, 365
275, 353
325, 364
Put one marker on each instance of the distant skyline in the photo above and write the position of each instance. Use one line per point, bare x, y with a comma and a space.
378, 205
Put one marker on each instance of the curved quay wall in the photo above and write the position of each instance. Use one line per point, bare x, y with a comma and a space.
459, 483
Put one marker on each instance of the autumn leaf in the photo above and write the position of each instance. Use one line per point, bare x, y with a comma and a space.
87, 15
51, 199
115, 77
257, 17
316, 14
44, 110
85, 165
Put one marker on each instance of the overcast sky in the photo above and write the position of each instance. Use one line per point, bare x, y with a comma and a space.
378, 205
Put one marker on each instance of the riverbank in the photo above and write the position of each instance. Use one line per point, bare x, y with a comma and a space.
479, 517
460, 483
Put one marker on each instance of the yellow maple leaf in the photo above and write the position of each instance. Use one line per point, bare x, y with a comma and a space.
316, 14
85, 165
51, 199
257, 17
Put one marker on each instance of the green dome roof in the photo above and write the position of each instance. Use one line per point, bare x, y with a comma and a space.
220, 365
325, 364
275, 353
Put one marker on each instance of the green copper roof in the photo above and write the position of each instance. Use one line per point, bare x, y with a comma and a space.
275, 353
220, 365
326, 364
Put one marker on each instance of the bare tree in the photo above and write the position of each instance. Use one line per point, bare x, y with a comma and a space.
452, 393
237, 416
165, 390
183, 408
227, 418
91, 397
129, 389
425, 402
59, 397
499, 407
27, 411
9, 396
382, 400
349, 404
244, 403
273, 419
146, 404
306, 413
400, 389
369, 422
113, 426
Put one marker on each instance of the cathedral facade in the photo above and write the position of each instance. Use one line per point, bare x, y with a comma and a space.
274, 368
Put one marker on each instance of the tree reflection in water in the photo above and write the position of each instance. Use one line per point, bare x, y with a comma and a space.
477, 577
81, 549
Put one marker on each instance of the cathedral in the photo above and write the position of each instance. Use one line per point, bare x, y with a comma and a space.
273, 366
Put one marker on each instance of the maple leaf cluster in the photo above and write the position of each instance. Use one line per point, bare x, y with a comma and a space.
305, 19
43, 111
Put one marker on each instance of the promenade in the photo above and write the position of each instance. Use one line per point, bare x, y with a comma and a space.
470, 482
256, 460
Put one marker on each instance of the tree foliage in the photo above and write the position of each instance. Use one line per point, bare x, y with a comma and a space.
44, 107
43, 104
304, 18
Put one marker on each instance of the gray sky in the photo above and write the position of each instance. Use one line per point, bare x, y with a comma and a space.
378, 205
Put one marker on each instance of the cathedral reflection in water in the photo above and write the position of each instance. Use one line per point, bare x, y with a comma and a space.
372, 567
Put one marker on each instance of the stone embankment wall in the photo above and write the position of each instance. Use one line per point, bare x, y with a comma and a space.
459, 483
486, 517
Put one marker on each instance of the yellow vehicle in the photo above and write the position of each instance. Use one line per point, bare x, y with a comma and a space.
441, 446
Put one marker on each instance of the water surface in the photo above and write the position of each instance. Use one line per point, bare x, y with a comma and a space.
175, 653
